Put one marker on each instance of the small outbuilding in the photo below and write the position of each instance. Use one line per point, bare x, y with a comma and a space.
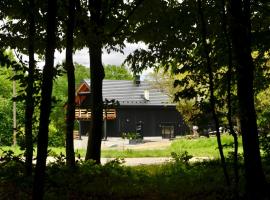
137, 108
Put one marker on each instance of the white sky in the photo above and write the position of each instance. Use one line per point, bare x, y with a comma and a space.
114, 58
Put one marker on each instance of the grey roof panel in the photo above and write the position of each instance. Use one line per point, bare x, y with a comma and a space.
128, 93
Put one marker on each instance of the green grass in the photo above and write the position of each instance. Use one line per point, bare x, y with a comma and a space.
204, 146
200, 147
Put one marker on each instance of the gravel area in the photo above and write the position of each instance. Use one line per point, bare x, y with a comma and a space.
140, 161
119, 143
149, 143
143, 161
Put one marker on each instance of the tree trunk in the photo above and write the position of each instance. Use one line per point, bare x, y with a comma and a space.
29, 102
71, 87
45, 107
211, 88
241, 41
229, 101
97, 75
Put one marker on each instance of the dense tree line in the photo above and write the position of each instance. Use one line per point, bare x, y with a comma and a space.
57, 117
210, 43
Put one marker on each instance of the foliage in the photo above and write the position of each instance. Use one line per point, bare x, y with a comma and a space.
6, 105
265, 145
6, 122
113, 72
8, 156
183, 157
172, 180
56, 137
263, 110
190, 109
131, 136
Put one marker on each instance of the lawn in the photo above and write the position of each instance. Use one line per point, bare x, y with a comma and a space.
199, 147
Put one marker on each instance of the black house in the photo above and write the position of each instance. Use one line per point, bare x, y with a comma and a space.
141, 109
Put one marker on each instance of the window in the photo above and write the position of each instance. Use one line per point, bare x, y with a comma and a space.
167, 130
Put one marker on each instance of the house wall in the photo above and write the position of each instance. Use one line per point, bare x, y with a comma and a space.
152, 118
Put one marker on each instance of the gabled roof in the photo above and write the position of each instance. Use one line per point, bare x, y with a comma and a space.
128, 93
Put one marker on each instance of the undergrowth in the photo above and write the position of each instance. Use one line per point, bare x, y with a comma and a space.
178, 179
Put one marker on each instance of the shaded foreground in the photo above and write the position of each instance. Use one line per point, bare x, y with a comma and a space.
175, 180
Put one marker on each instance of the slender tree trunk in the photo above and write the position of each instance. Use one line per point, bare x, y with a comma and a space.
97, 75
241, 41
45, 107
211, 88
71, 86
14, 115
29, 107
229, 102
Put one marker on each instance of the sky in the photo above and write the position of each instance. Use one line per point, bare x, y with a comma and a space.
114, 58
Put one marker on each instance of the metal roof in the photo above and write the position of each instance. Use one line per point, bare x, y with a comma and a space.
128, 93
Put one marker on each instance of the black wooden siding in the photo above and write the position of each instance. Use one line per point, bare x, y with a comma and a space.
152, 117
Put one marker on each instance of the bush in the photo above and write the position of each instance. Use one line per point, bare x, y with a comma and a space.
56, 137
131, 136
182, 157
265, 145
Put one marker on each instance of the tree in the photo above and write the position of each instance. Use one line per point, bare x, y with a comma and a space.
164, 81
29, 102
191, 52
208, 63
113, 72
20, 27
45, 107
7, 77
6, 107
241, 44
70, 116
107, 28
97, 74
224, 25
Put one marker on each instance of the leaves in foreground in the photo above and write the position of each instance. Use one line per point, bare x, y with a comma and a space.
174, 180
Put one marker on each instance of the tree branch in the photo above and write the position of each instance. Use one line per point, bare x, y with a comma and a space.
123, 22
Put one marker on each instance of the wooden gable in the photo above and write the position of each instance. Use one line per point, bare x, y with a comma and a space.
80, 97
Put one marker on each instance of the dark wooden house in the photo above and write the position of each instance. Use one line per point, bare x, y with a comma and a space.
141, 109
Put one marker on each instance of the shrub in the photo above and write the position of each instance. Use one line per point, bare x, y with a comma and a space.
56, 137
265, 145
131, 136
182, 157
